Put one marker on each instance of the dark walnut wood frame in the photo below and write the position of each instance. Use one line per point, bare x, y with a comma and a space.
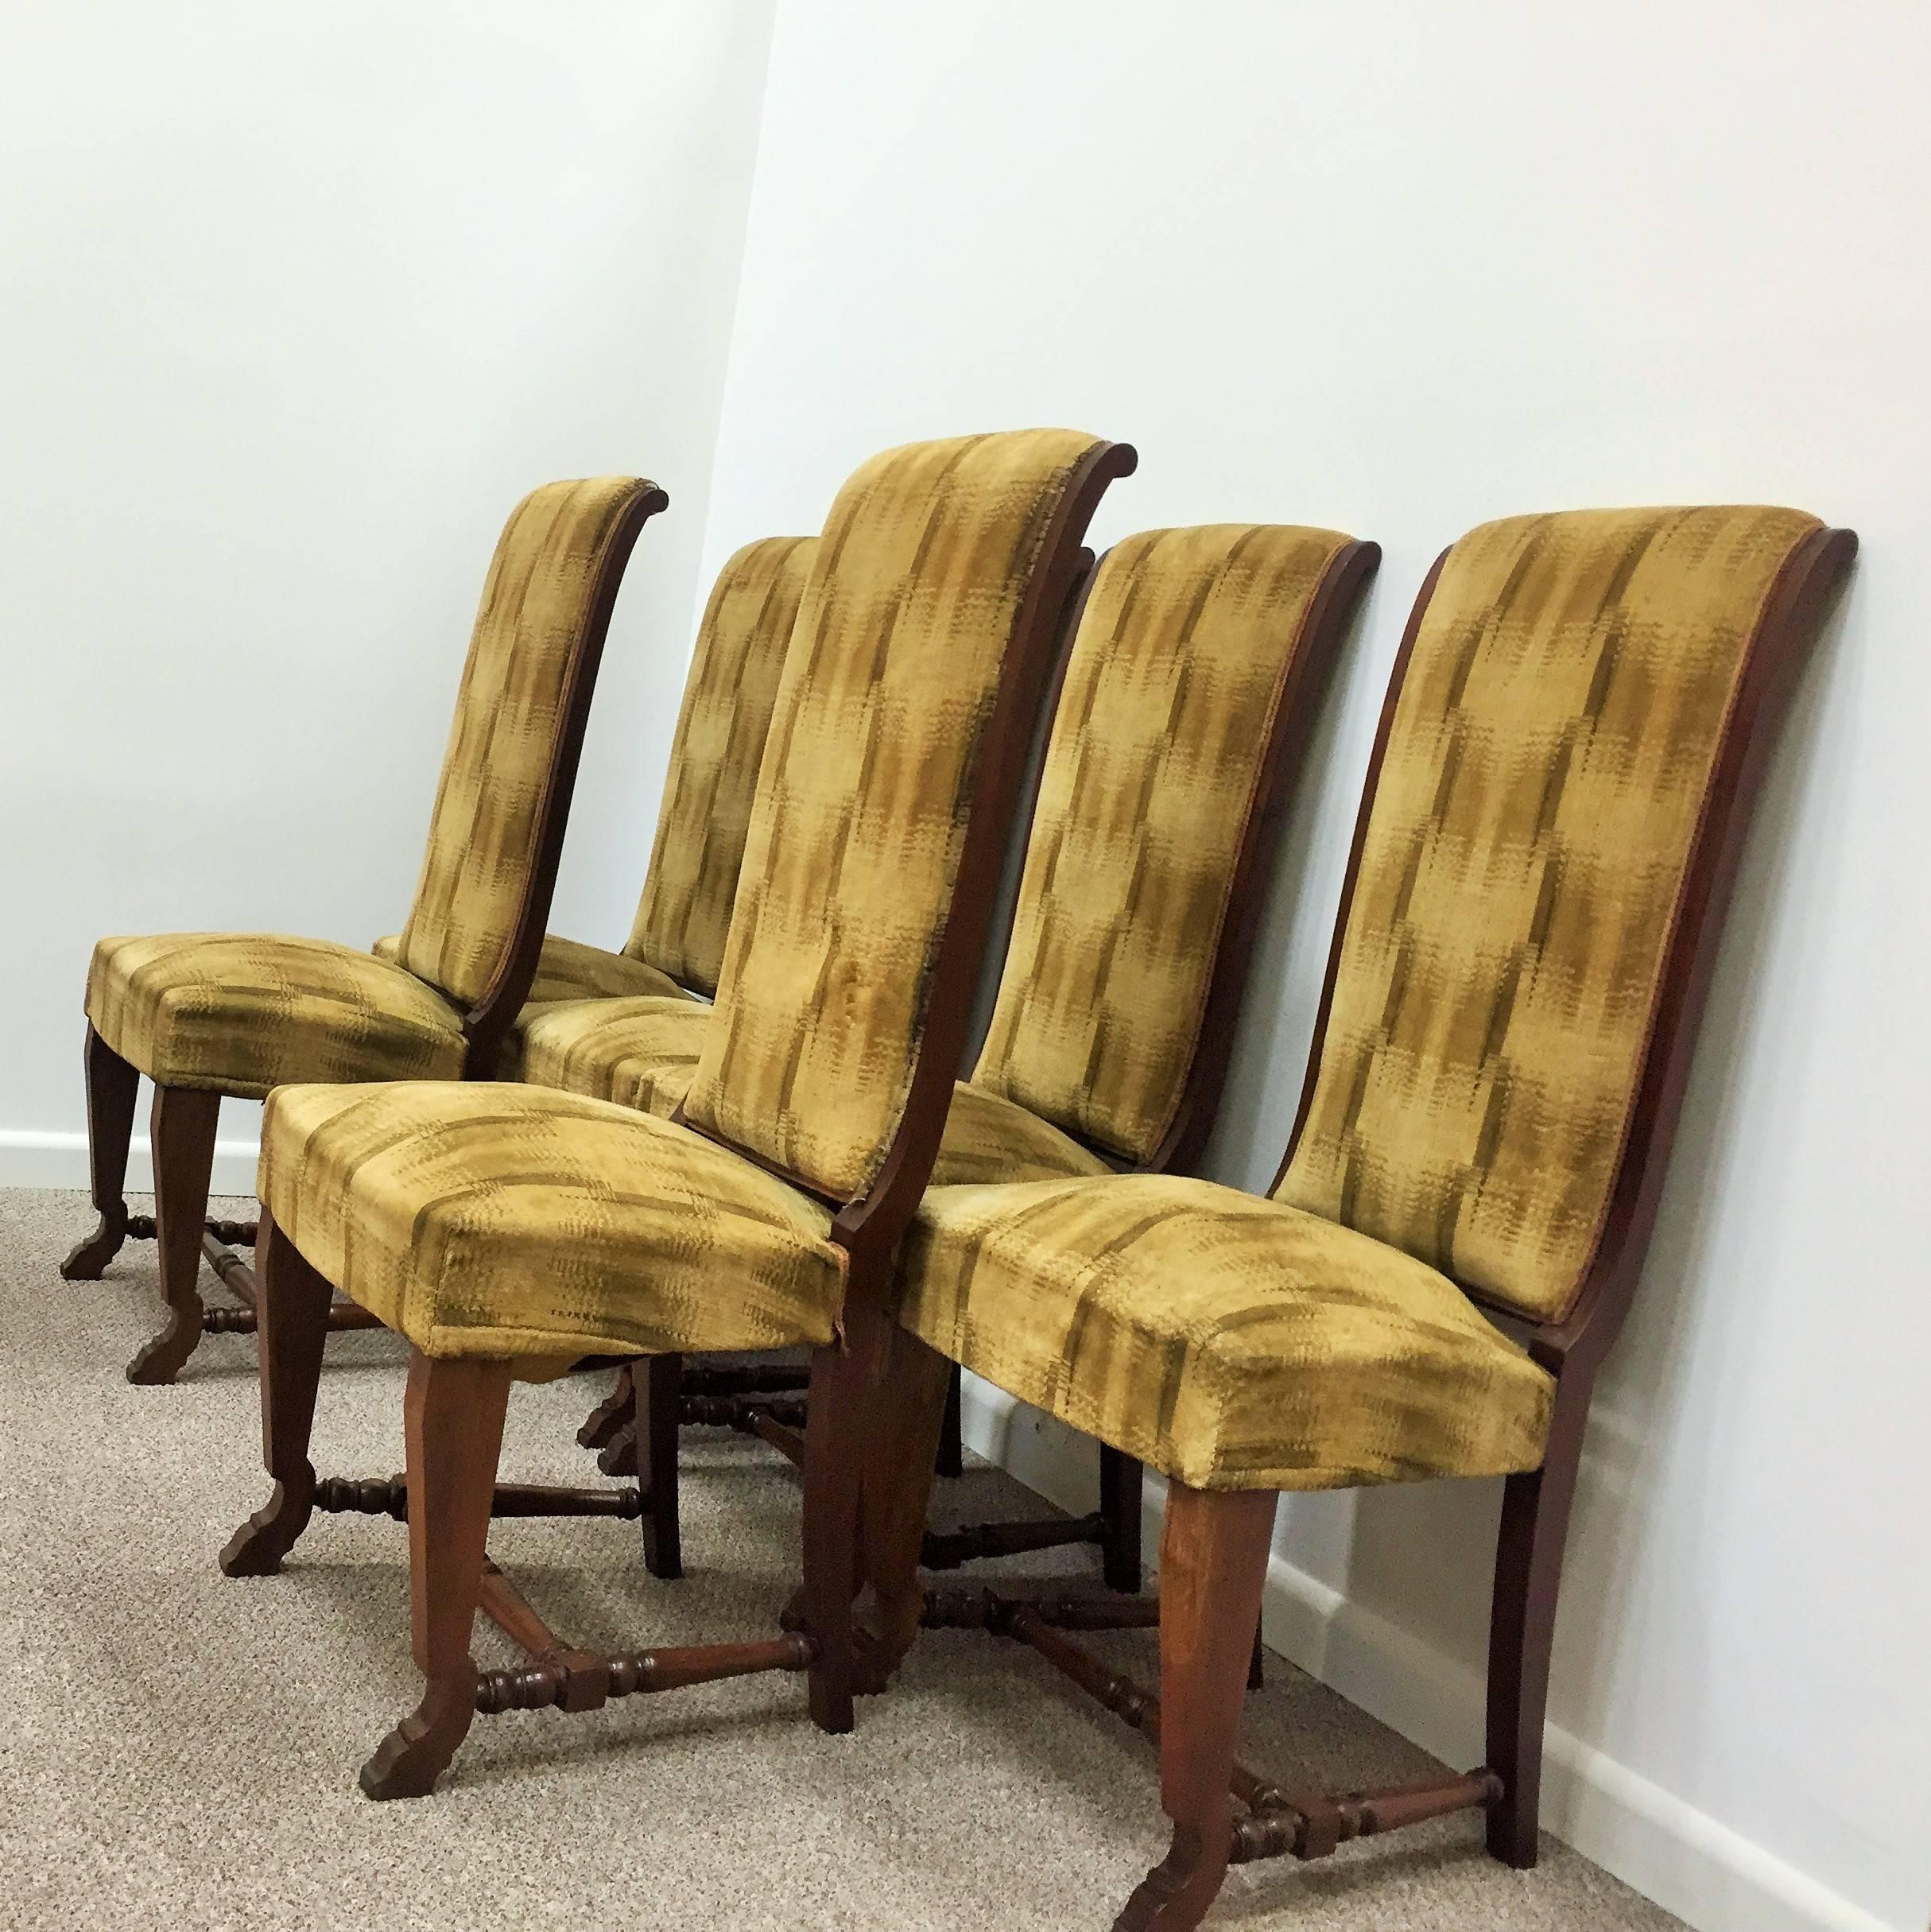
182, 1124
454, 1409
1214, 1545
763, 1400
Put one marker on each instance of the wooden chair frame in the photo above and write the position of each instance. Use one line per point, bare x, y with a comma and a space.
1214, 1545
454, 1409
767, 1400
182, 1123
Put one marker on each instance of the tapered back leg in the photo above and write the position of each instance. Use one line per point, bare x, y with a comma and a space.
182, 1135
111, 1082
1535, 1519
912, 1412
659, 1383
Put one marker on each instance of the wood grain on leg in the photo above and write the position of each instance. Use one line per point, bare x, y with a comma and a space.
182, 1130
1213, 1560
292, 1302
453, 1422
901, 1459
111, 1082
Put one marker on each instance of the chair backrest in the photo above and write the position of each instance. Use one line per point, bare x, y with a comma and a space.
1182, 687
490, 864
1566, 723
922, 612
685, 910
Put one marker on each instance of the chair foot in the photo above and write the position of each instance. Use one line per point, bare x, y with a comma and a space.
610, 1414
89, 1260
160, 1359
257, 1547
1514, 1838
1175, 1895
618, 1456
416, 1752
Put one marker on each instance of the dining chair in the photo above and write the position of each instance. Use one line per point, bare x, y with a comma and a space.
677, 941
1579, 718
1196, 658
509, 1230
204, 1015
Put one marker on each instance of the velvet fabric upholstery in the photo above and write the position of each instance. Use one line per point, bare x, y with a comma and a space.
684, 913
863, 799
1546, 771
527, 1223
483, 828
569, 969
677, 941
989, 1138
637, 1053
1172, 695
238, 1013
1227, 1340
480, 1219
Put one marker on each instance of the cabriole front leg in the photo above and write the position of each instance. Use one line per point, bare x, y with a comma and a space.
182, 1130
292, 1303
1213, 1562
111, 1082
453, 1416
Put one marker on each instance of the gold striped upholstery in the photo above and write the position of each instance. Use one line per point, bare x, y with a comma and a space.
524, 1223
692, 882
864, 795
637, 1052
552, 554
240, 1012
569, 969
988, 1137
1229, 1342
1550, 755
479, 1219
677, 941
1172, 691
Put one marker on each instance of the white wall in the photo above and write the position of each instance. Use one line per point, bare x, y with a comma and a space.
1401, 267
294, 304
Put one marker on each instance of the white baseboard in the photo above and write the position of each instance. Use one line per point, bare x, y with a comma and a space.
60, 1160
1710, 1877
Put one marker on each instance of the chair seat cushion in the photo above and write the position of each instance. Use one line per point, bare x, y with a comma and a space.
482, 1219
239, 1013
569, 969
638, 1052
990, 1137
1227, 1340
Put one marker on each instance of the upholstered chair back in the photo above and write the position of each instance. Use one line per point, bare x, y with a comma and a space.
1548, 760
865, 794
685, 910
1174, 688
557, 558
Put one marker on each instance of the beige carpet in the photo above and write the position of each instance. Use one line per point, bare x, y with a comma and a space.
181, 1751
